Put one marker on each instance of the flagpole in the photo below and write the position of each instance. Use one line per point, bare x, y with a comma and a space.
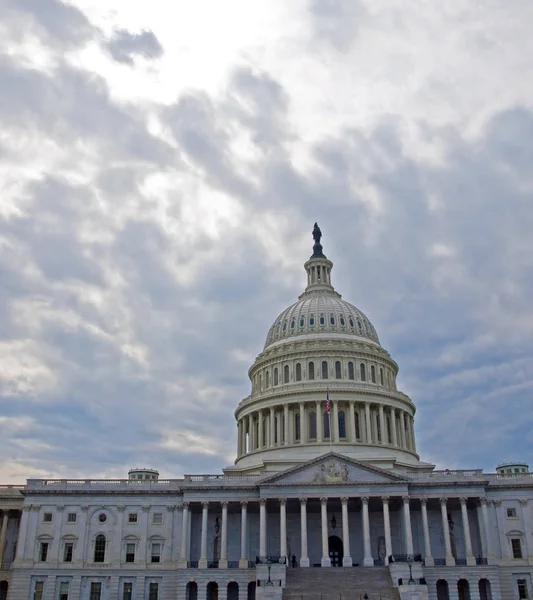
329, 415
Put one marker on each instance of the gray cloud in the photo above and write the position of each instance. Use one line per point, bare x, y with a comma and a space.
124, 46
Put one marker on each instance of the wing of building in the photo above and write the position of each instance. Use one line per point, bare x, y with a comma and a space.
327, 498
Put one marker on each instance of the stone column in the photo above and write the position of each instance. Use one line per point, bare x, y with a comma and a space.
202, 563
407, 526
403, 440
283, 527
304, 558
23, 531
278, 428
386, 527
272, 428
262, 528
485, 517
286, 439
223, 562
239, 441
425, 525
450, 560
368, 561
394, 433
335, 422
326, 561
243, 562
523, 502
347, 558
413, 440
250, 436
3, 534
184, 559
351, 422
302, 423
261, 430
368, 424
470, 560
382, 425
319, 422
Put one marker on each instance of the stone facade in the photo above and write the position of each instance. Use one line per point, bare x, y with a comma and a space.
327, 475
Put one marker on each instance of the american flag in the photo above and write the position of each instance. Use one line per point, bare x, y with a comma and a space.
328, 403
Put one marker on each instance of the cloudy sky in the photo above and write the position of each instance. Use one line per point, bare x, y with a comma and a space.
161, 166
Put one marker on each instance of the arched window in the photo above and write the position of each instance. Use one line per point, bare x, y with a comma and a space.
324, 369
276, 376
325, 421
99, 548
351, 323
312, 425
302, 321
191, 592
268, 379
260, 383
342, 321
311, 369
286, 374
381, 375
298, 372
357, 429
338, 373
373, 373
322, 320
297, 427
293, 323
332, 320
363, 372
342, 425
312, 321
284, 325
351, 373
443, 592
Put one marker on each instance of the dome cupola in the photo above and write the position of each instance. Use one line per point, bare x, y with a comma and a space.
323, 347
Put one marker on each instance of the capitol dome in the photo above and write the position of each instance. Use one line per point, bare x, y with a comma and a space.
323, 382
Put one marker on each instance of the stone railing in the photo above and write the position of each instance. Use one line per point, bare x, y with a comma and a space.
321, 385
216, 480
447, 474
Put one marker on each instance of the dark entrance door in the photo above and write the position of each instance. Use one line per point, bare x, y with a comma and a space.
336, 551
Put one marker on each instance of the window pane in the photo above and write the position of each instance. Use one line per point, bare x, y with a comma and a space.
43, 552
517, 548
342, 424
127, 593
132, 518
373, 373
297, 427
38, 590
298, 372
312, 425
157, 519
96, 591
99, 549
71, 517
286, 374
338, 369
311, 370
153, 591
363, 372
63, 590
350, 371
326, 425
156, 553
324, 369
67, 556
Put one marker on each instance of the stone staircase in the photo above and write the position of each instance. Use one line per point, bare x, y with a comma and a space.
350, 583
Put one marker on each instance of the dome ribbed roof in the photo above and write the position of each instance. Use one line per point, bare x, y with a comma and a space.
321, 313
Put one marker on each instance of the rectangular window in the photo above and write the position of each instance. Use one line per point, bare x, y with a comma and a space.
43, 551
68, 551
157, 518
132, 518
153, 591
96, 591
127, 591
511, 513
522, 589
63, 590
517, 547
47, 517
156, 553
130, 553
71, 518
38, 590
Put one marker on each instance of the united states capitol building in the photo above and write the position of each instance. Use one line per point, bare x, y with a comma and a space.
327, 498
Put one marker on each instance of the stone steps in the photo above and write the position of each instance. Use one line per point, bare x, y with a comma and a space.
350, 583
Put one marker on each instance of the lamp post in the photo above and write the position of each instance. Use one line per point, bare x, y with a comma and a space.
411, 580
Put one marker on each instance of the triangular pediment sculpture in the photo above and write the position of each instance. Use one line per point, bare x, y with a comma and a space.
333, 469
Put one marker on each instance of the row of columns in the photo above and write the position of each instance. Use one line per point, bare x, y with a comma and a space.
274, 427
325, 560
3, 534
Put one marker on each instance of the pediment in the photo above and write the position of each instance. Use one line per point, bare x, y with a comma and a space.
333, 469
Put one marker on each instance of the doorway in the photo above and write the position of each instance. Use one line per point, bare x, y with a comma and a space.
336, 551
